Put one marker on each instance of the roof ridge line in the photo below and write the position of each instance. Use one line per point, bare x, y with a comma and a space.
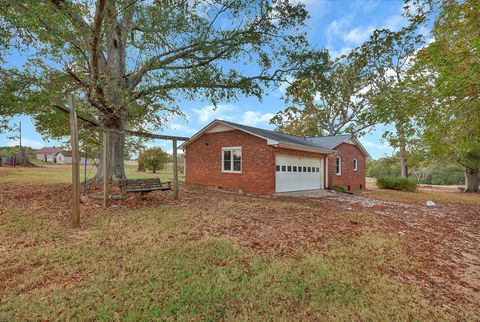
258, 128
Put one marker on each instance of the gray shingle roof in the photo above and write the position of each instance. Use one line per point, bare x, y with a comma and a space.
329, 141
326, 143
280, 137
49, 150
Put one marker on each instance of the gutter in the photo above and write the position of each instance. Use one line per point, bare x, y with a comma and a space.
301, 147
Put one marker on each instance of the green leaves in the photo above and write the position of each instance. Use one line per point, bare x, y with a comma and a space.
448, 70
138, 58
328, 98
129, 63
153, 159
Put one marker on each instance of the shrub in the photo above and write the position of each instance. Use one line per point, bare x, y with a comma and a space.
397, 183
339, 187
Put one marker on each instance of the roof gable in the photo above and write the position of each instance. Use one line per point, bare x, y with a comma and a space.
272, 137
333, 141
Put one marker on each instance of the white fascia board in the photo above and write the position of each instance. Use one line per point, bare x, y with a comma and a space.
272, 142
304, 148
194, 137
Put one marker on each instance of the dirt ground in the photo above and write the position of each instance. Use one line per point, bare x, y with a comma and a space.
443, 241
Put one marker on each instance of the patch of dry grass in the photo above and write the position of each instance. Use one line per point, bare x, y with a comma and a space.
54, 174
445, 194
423, 196
158, 263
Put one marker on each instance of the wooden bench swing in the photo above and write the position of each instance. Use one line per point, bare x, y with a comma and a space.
144, 185
127, 185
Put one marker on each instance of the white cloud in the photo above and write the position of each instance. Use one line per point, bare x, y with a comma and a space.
355, 35
227, 112
26, 142
341, 29
374, 145
253, 118
364, 6
337, 27
283, 86
395, 22
182, 127
209, 112
427, 33
358, 35
343, 51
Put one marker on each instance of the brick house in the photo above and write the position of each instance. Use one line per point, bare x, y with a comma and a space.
347, 166
239, 157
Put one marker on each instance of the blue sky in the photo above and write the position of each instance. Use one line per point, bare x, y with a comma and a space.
336, 25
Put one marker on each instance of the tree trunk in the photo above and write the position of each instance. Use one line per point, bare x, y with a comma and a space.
402, 144
471, 180
116, 147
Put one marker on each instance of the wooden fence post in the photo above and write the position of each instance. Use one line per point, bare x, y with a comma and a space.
175, 170
75, 164
105, 169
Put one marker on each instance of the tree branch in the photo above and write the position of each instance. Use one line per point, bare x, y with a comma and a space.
96, 38
80, 24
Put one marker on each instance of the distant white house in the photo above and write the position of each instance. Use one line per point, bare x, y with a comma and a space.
50, 154
57, 155
68, 158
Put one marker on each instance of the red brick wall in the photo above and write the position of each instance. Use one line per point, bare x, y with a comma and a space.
349, 177
204, 162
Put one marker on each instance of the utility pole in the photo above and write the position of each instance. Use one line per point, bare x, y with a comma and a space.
20, 132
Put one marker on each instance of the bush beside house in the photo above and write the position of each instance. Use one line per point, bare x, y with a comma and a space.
397, 183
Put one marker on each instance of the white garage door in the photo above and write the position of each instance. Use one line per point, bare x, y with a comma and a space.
294, 173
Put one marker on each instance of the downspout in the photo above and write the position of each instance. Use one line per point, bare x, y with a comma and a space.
326, 172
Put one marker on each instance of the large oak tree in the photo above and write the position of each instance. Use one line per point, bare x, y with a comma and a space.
328, 98
388, 57
447, 88
129, 61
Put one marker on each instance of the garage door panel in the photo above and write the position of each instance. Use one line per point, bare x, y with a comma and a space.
295, 173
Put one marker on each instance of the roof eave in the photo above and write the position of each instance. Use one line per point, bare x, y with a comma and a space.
303, 148
269, 141
357, 143
199, 133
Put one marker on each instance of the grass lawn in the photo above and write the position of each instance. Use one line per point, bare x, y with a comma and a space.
438, 194
56, 173
150, 265
216, 256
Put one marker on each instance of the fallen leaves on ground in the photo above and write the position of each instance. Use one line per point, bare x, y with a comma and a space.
443, 241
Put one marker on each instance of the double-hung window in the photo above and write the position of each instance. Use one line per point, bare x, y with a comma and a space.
232, 159
355, 164
339, 166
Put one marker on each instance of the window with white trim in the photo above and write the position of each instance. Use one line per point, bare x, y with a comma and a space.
232, 159
355, 164
339, 166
